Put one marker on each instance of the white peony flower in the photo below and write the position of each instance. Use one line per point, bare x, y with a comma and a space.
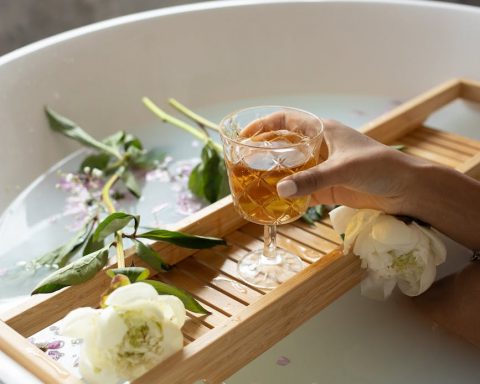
392, 251
137, 330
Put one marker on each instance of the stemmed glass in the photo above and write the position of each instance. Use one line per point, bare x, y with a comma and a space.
262, 145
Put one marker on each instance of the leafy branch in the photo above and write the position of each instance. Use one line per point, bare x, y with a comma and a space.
117, 157
208, 179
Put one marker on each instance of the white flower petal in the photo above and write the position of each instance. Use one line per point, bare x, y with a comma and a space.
173, 339
131, 292
173, 309
98, 375
79, 322
438, 247
417, 287
361, 221
377, 288
364, 247
340, 217
111, 328
389, 230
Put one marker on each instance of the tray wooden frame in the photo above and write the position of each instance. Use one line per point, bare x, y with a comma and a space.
240, 327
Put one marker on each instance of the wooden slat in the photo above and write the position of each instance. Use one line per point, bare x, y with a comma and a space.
409, 115
430, 156
437, 149
194, 329
204, 293
226, 264
449, 137
307, 238
306, 253
444, 143
243, 240
214, 278
471, 167
226, 349
213, 319
470, 90
320, 229
33, 359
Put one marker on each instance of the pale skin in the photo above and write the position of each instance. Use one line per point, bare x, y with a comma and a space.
360, 172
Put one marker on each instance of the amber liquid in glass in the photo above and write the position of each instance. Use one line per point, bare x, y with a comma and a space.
253, 180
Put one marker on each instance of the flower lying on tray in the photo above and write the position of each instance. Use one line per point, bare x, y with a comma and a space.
136, 329
392, 250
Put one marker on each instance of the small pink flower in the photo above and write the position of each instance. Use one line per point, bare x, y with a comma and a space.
283, 361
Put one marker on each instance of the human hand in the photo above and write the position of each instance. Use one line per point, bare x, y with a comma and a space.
359, 172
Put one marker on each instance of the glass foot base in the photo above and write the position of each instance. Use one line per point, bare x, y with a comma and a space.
261, 272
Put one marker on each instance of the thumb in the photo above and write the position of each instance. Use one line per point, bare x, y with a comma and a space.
324, 175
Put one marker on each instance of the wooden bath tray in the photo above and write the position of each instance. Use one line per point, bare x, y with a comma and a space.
245, 321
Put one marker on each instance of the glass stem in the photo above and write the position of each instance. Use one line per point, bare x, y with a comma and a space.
270, 246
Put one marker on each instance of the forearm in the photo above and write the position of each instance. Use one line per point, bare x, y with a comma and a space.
449, 201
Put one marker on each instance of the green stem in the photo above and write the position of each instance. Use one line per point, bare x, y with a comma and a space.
200, 120
111, 209
179, 123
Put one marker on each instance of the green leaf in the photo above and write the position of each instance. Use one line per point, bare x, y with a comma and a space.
74, 273
399, 147
190, 303
62, 255
132, 141
314, 214
150, 159
115, 140
151, 257
306, 217
113, 223
320, 210
68, 128
209, 178
99, 161
182, 239
92, 246
133, 273
131, 183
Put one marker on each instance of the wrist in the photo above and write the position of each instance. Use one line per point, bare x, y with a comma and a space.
422, 198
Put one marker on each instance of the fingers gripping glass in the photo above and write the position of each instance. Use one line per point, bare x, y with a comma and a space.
262, 145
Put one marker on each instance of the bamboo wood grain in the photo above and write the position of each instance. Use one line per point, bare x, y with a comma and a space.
320, 229
226, 265
213, 319
204, 293
447, 140
252, 240
307, 238
243, 240
33, 359
471, 167
430, 156
214, 278
409, 115
194, 329
440, 150
241, 339
308, 254
470, 90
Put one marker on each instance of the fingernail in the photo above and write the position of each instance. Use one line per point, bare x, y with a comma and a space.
286, 188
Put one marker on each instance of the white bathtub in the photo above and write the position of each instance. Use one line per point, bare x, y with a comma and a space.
344, 59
